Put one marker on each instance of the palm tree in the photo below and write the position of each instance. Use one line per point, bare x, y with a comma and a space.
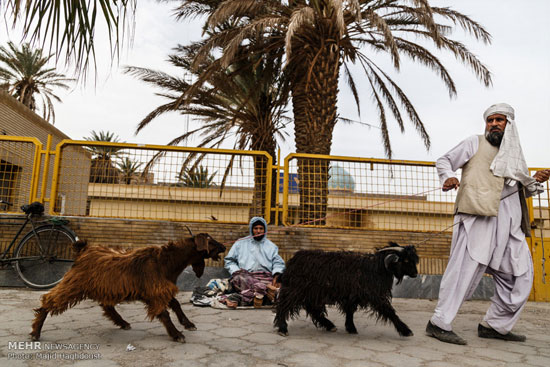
128, 170
320, 38
102, 169
246, 100
25, 75
197, 177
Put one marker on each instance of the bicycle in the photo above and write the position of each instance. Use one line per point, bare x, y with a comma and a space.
45, 253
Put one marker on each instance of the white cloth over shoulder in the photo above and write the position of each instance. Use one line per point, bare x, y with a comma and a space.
509, 161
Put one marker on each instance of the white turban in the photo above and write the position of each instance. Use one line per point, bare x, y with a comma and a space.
509, 161
501, 108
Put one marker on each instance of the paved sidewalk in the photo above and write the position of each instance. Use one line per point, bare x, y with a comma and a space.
246, 338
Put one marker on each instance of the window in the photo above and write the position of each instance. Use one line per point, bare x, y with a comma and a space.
9, 174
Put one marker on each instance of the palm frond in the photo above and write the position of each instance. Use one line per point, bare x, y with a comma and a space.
68, 27
351, 83
382, 117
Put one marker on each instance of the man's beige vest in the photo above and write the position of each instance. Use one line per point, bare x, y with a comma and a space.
479, 192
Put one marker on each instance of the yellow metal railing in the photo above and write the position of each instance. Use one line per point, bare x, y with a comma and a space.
19, 170
364, 193
120, 180
539, 243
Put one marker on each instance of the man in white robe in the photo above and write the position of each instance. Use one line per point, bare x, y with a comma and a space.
488, 240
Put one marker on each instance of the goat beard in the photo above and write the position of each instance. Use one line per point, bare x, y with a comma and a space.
398, 277
198, 268
494, 137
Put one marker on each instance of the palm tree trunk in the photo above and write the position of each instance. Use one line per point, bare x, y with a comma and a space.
258, 198
27, 98
314, 100
267, 144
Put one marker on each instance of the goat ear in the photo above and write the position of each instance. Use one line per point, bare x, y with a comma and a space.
389, 260
201, 242
198, 268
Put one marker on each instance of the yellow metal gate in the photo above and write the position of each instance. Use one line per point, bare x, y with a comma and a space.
539, 243
19, 170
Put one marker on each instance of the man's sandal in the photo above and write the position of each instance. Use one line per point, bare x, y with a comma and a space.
443, 335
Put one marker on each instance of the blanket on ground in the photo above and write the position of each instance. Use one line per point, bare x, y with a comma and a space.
219, 293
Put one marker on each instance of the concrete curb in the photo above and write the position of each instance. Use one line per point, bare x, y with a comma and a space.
423, 286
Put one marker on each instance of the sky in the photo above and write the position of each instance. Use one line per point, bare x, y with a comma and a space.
518, 57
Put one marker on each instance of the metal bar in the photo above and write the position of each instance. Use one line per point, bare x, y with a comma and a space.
35, 173
269, 176
285, 190
277, 184
359, 159
46, 169
163, 148
542, 242
55, 178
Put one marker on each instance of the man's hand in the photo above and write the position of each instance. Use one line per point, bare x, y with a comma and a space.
542, 176
451, 183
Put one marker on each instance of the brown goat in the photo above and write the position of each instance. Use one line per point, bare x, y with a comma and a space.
111, 276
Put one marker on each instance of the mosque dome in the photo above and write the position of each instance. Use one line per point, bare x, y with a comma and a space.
340, 179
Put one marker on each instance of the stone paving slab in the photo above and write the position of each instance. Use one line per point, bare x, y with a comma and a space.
83, 337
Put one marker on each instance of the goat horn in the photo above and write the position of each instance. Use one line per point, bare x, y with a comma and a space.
390, 249
189, 229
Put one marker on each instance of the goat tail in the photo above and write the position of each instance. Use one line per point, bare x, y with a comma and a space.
79, 246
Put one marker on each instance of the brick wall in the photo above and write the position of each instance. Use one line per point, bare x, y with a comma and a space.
16, 119
137, 233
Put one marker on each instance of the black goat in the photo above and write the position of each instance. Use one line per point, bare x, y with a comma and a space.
351, 280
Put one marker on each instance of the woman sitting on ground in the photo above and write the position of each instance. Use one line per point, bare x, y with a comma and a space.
255, 265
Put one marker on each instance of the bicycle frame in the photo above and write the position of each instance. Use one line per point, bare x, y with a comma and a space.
4, 258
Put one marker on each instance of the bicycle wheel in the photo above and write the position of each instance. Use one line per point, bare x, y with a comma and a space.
44, 257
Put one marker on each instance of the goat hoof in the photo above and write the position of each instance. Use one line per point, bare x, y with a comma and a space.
34, 337
353, 331
333, 330
126, 327
189, 325
406, 333
180, 339
282, 333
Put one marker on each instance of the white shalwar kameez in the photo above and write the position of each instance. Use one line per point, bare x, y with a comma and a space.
495, 245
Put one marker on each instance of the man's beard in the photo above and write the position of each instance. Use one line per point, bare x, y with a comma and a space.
259, 237
494, 137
